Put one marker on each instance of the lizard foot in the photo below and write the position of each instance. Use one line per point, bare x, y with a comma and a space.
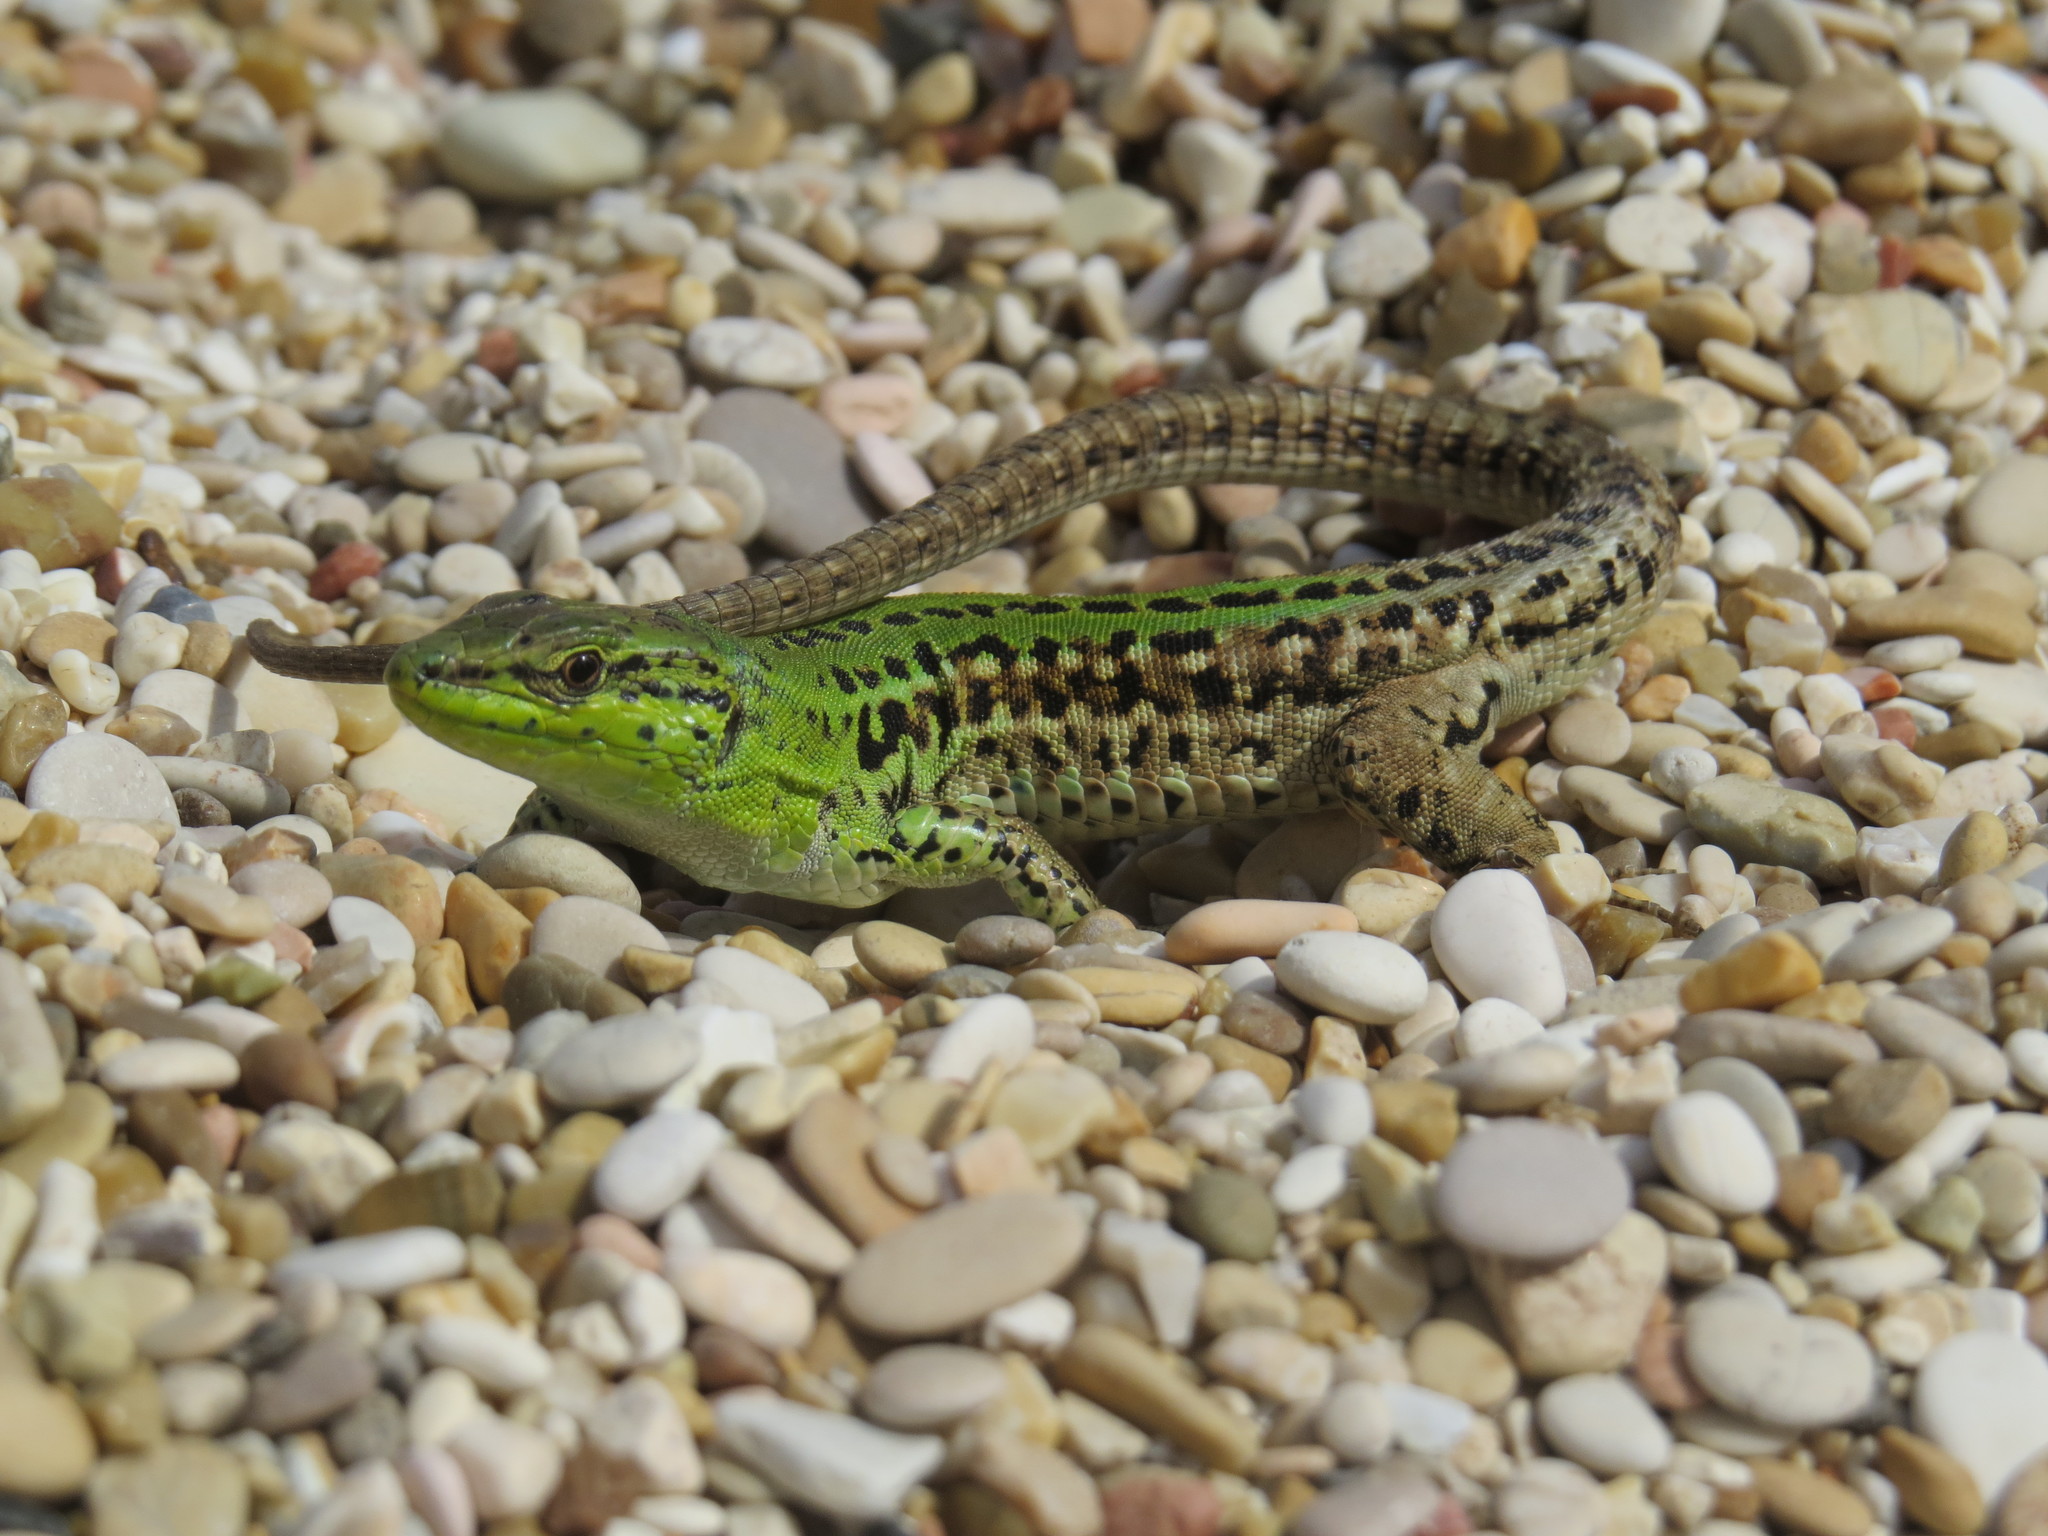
1681, 926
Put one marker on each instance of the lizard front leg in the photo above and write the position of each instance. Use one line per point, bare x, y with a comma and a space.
1407, 759
542, 812
950, 844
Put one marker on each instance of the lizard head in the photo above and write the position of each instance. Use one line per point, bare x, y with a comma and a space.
598, 705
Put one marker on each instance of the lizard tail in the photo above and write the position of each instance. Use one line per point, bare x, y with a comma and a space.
1438, 449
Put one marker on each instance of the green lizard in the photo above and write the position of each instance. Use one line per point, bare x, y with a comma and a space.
798, 733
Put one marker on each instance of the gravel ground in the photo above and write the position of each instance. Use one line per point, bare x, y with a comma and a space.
364, 1172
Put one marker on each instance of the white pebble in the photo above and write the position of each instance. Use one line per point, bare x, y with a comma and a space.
1492, 937
1352, 975
1713, 1151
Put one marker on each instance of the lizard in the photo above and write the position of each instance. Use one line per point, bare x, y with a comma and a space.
802, 733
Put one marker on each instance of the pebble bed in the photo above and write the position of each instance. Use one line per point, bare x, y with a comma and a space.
365, 1172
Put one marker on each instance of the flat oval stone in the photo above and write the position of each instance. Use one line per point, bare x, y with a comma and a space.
1529, 1189
1713, 1151
621, 1061
1492, 938
756, 1198
1756, 1359
929, 1387
379, 1265
953, 1267
557, 864
94, 774
535, 146
656, 1163
1353, 975
829, 1146
1602, 1423
754, 1294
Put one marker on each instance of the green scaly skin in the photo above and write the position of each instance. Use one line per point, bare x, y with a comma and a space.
930, 740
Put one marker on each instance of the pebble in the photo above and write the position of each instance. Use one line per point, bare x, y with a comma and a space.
806, 484
1529, 1190
656, 1163
1770, 824
759, 1297
96, 775
1337, 1111
1352, 975
380, 1265
830, 1462
1602, 1423
954, 1266
47, 1448
1377, 260
985, 201
192, 1487
760, 354
1713, 1151
1756, 1359
620, 1061
1983, 1398
1493, 940
756, 1199
1886, 1107
535, 146
925, 1388
1935, 1488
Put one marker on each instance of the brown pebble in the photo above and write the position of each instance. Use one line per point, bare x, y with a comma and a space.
166, 1123
285, 1068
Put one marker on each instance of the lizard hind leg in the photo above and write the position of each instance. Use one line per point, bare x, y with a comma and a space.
1407, 758
950, 845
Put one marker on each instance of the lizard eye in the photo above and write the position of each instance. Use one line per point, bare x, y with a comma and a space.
582, 671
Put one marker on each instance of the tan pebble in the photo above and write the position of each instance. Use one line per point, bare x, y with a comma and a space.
1887, 1106
1983, 904
1144, 998
1769, 969
1987, 624
1807, 1502
1230, 930
1830, 507
1387, 902
1979, 843
1236, 1056
1455, 1358
1493, 246
46, 1443
1751, 372
1935, 1490
1135, 1381
1419, 1117
493, 933
898, 955
2024, 1509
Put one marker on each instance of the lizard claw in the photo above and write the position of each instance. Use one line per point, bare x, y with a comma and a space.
1681, 925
